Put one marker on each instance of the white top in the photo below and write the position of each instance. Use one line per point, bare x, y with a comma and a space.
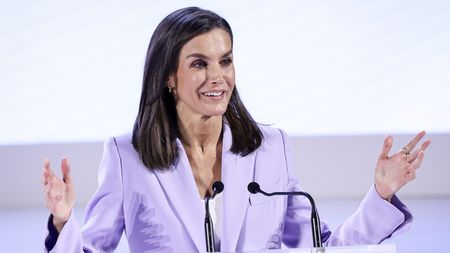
215, 210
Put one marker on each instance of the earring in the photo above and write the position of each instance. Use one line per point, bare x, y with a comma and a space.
170, 89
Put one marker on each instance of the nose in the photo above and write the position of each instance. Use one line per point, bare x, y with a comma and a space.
215, 74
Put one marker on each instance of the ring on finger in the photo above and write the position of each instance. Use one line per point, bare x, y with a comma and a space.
406, 151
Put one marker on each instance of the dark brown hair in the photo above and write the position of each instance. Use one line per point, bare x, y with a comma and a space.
155, 129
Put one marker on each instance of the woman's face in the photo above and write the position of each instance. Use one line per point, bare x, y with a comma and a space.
204, 81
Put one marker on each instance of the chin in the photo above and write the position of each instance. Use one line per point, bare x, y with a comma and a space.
221, 113
218, 112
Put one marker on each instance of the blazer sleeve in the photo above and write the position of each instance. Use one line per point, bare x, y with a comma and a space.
374, 220
104, 219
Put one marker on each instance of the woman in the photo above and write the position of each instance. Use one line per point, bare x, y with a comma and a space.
192, 129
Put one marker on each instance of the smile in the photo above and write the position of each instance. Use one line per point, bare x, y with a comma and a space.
213, 93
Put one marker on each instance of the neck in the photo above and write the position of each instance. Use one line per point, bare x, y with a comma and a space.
200, 133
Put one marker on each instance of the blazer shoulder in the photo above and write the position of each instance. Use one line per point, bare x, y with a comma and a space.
123, 140
120, 143
271, 133
273, 136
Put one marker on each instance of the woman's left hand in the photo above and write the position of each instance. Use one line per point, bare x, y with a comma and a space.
393, 172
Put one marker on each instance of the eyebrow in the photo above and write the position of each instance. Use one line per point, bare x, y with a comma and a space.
202, 56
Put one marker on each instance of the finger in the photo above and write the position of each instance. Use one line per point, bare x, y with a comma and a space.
44, 180
412, 144
65, 169
48, 169
413, 156
425, 144
48, 189
418, 162
46, 172
415, 153
46, 164
387, 145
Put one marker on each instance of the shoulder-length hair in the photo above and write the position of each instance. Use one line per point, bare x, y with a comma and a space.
155, 129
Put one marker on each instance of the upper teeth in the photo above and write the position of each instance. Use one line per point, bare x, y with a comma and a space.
213, 94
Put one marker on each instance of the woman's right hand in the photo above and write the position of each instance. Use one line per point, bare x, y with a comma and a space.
59, 194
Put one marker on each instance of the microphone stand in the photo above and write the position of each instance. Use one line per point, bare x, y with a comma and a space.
209, 229
217, 188
254, 188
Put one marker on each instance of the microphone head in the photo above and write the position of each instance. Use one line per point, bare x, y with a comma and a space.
217, 187
253, 187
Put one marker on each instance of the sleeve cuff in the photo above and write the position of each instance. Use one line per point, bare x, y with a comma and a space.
53, 234
68, 237
396, 216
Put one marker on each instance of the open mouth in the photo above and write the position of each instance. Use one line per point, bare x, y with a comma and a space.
213, 93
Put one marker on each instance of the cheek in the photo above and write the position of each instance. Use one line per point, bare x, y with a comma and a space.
230, 78
190, 83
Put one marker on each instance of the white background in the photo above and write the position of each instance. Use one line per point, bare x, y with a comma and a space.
71, 71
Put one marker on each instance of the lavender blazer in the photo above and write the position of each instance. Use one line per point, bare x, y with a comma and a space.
161, 212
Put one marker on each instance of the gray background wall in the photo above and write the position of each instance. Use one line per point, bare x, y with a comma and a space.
329, 167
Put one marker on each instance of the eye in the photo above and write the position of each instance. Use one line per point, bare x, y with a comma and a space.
198, 64
226, 62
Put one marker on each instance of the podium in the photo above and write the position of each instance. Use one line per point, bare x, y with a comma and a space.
384, 248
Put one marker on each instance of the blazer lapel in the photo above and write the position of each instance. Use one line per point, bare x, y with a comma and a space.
180, 189
237, 172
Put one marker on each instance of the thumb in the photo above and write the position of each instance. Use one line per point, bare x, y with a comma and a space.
387, 145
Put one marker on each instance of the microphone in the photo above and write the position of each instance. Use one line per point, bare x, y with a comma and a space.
217, 188
254, 188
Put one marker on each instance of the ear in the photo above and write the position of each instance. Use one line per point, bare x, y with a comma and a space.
171, 82
172, 85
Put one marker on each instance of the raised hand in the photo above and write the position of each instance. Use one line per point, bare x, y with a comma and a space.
59, 194
393, 172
